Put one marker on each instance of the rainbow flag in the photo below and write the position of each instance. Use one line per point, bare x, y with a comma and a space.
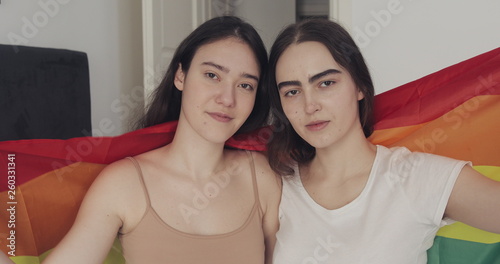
454, 112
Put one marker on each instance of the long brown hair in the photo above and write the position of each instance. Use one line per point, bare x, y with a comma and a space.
286, 146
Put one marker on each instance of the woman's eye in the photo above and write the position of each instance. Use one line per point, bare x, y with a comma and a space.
211, 75
326, 83
291, 93
246, 86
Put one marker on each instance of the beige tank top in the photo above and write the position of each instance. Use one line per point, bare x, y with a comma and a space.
154, 241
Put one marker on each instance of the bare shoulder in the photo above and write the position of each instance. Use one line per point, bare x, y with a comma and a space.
267, 179
116, 186
268, 182
116, 176
262, 167
269, 185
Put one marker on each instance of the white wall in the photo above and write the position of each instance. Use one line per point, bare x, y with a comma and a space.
421, 36
109, 31
268, 17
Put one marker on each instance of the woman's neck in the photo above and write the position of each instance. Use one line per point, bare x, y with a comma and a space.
193, 154
343, 160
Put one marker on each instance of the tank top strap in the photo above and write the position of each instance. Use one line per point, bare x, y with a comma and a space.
141, 178
254, 180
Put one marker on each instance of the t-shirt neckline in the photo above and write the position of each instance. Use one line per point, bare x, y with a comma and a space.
369, 183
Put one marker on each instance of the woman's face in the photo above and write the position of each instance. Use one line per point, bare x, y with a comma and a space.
219, 89
318, 96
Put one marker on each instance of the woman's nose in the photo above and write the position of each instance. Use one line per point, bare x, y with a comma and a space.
226, 96
312, 104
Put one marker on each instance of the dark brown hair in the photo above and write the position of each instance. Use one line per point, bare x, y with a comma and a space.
286, 146
166, 99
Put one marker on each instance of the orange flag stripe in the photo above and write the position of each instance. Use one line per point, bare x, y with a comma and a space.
51, 217
455, 134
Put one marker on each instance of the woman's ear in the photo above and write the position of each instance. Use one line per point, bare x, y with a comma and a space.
179, 78
361, 95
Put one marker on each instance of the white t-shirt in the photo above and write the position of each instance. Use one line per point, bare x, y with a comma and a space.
393, 221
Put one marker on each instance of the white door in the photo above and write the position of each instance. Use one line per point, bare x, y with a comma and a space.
165, 24
341, 12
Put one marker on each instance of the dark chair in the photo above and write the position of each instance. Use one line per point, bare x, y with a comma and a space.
44, 93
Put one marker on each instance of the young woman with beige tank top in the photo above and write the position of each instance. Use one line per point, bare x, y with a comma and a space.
193, 200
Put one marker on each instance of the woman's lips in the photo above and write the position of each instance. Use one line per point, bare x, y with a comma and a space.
221, 117
317, 125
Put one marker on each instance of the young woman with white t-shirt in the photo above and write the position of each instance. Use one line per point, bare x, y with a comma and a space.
345, 200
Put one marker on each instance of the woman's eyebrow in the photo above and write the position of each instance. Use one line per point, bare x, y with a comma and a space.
288, 83
311, 79
322, 74
226, 70
220, 67
250, 76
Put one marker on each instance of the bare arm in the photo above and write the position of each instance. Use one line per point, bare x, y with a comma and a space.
475, 200
4, 259
96, 225
269, 185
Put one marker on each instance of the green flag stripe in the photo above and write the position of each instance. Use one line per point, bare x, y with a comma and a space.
454, 251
